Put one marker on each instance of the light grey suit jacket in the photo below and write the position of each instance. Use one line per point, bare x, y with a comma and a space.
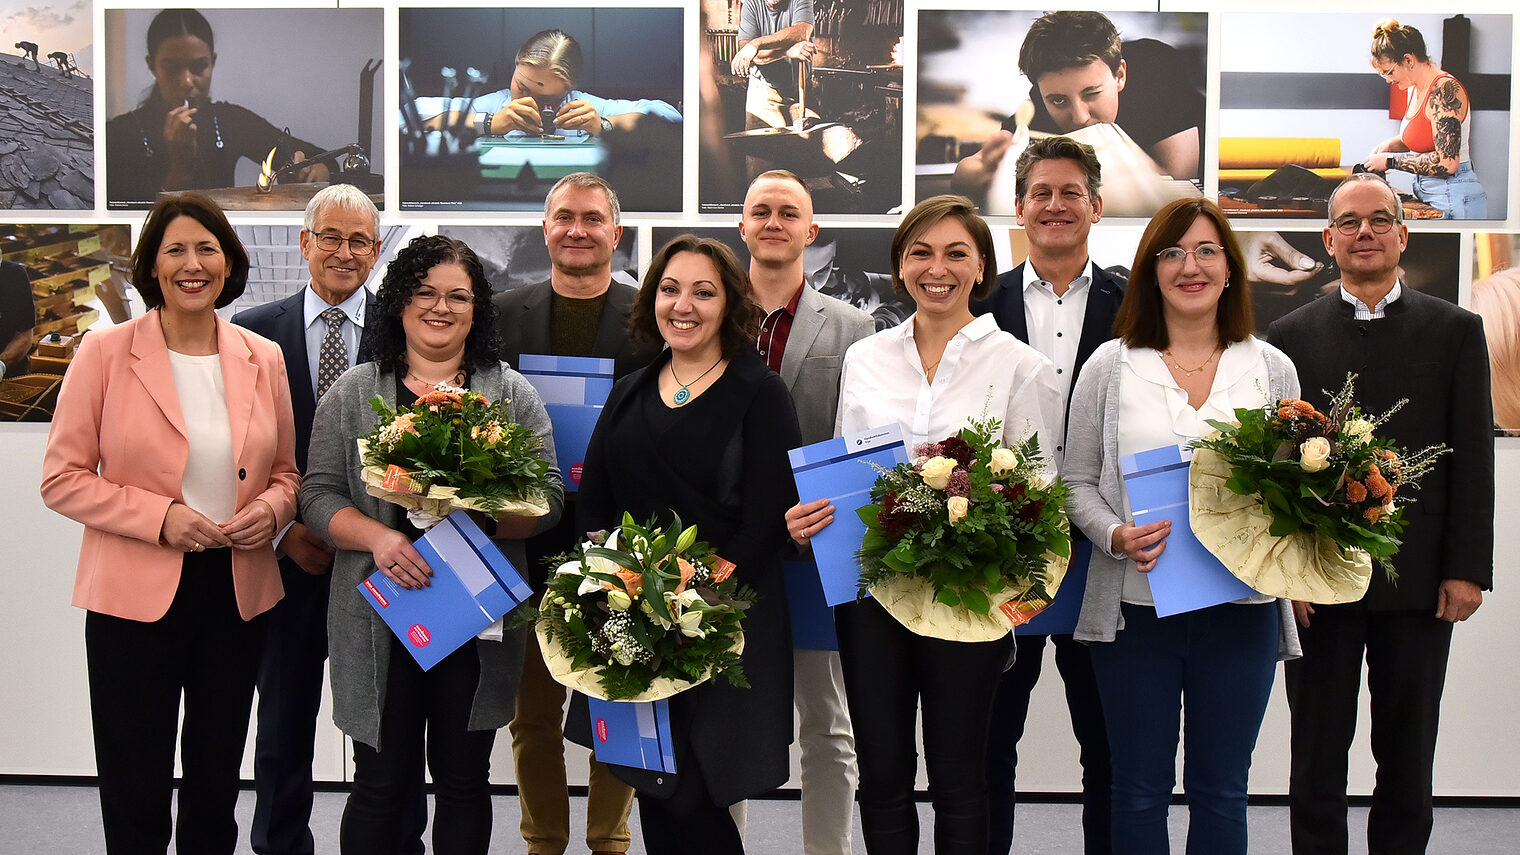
822, 331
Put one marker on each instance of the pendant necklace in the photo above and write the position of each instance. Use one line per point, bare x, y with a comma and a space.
1186, 372
683, 394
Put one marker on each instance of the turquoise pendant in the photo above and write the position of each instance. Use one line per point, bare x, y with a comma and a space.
681, 396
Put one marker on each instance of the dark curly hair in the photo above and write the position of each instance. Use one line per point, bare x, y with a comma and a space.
741, 316
387, 344
200, 208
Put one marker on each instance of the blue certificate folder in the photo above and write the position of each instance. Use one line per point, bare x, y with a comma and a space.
1060, 617
574, 390
473, 585
1187, 576
837, 469
633, 733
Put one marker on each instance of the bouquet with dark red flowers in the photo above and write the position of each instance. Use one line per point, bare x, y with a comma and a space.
977, 522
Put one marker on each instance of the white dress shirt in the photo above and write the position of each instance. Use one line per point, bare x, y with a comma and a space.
984, 371
1376, 312
316, 328
1055, 323
209, 484
1154, 411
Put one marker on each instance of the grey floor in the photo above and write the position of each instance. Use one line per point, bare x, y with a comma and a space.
40, 820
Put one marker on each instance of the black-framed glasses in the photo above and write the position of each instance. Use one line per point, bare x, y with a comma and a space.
328, 242
1380, 223
1204, 253
457, 302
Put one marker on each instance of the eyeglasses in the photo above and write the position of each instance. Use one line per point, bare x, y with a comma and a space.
356, 245
1350, 224
457, 302
1044, 195
1204, 253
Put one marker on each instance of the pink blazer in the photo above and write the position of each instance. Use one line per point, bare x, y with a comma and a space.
116, 457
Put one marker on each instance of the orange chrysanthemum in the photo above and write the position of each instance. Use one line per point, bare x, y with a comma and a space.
1355, 491
439, 397
1373, 513
1378, 485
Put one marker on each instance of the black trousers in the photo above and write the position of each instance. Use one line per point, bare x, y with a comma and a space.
200, 649
688, 821
889, 671
1009, 712
1406, 654
427, 713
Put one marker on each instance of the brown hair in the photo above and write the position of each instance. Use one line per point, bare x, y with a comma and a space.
931, 211
1058, 148
741, 316
1061, 40
1140, 321
1391, 40
200, 208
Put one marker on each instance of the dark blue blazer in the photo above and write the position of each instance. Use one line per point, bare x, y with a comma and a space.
284, 324
1006, 304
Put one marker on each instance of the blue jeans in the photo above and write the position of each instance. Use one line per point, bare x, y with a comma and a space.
1217, 663
1458, 196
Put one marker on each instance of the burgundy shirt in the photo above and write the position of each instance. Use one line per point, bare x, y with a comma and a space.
775, 330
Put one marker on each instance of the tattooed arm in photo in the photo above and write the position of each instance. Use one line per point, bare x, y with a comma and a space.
1447, 107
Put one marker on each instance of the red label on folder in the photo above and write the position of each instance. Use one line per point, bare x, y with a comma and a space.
601, 730
374, 591
575, 474
418, 635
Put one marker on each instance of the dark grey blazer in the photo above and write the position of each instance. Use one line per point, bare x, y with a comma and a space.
1433, 353
522, 321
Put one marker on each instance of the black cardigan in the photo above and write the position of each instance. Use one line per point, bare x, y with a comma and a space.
721, 465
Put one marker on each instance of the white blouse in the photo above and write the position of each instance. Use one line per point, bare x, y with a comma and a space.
210, 481
984, 372
1154, 411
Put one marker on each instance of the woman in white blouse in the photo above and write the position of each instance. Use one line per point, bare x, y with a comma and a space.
1184, 354
939, 368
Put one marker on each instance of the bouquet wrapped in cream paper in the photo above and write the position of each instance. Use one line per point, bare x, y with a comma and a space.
454, 449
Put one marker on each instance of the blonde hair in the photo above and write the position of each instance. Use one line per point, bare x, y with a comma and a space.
1497, 301
1391, 40
554, 50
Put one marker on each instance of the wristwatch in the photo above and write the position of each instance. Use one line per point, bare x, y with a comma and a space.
483, 123
606, 124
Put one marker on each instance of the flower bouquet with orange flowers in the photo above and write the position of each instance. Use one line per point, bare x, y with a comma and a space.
454, 449
1298, 503
969, 539
638, 614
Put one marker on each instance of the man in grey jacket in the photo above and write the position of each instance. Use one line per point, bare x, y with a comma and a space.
803, 338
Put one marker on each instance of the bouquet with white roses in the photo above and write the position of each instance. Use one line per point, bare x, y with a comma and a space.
638, 614
1327, 480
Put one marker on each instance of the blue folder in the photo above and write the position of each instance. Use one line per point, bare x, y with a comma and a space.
1060, 617
837, 469
1187, 576
574, 390
473, 584
812, 617
633, 733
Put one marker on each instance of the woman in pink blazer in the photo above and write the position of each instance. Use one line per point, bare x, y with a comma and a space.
174, 444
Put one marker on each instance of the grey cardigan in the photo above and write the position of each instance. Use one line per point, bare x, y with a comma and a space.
1097, 499
359, 642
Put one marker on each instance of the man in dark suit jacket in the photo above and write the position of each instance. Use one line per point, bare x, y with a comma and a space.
1401, 344
340, 242
580, 311
1063, 305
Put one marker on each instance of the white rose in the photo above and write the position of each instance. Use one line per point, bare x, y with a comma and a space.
957, 507
1003, 460
1358, 429
936, 471
1314, 454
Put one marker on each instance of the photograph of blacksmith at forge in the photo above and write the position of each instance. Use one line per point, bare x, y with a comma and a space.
812, 86
499, 104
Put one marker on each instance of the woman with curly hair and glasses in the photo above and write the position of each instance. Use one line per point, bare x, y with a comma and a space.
437, 326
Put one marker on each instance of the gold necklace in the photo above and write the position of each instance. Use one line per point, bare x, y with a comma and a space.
458, 379
1186, 372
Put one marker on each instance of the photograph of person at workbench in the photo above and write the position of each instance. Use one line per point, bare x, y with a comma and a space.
811, 86
1130, 84
499, 104
1424, 100
276, 141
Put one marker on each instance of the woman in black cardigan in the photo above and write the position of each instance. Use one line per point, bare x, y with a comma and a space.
703, 432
